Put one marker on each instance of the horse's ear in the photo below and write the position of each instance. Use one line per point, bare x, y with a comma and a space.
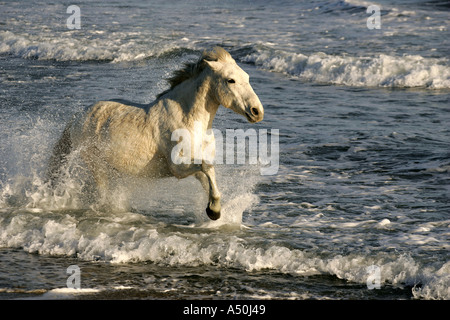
214, 65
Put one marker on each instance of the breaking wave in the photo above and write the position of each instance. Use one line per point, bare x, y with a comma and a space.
115, 47
131, 237
407, 71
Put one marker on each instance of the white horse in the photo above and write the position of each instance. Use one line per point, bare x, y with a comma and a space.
134, 139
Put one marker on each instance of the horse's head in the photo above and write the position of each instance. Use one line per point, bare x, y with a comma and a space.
232, 86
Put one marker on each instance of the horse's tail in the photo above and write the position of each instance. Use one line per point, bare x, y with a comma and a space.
59, 157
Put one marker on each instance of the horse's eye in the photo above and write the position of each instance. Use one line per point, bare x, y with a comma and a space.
231, 81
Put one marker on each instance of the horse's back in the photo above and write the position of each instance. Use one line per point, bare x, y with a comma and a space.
112, 116
142, 106
113, 132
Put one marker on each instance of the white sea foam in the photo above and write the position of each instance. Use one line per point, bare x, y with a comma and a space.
116, 47
378, 71
65, 293
130, 237
437, 286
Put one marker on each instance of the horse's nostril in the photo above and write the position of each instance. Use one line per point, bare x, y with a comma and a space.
255, 111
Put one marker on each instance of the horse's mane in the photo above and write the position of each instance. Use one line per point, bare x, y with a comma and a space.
193, 69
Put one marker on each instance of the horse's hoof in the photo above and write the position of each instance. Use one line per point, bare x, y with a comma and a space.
213, 215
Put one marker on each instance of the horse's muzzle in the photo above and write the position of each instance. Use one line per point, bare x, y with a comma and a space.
255, 114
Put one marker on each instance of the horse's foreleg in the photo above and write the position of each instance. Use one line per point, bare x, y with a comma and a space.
203, 180
213, 209
208, 181
206, 174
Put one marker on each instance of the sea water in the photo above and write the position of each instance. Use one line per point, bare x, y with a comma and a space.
357, 209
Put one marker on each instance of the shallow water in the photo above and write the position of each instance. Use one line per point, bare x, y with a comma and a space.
363, 175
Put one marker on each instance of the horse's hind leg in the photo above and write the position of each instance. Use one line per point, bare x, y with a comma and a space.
59, 157
99, 171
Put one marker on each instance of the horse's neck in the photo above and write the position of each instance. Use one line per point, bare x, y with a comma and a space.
197, 101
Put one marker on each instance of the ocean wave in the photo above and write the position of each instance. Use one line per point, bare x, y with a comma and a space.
354, 6
407, 71
130, 237
116, 47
